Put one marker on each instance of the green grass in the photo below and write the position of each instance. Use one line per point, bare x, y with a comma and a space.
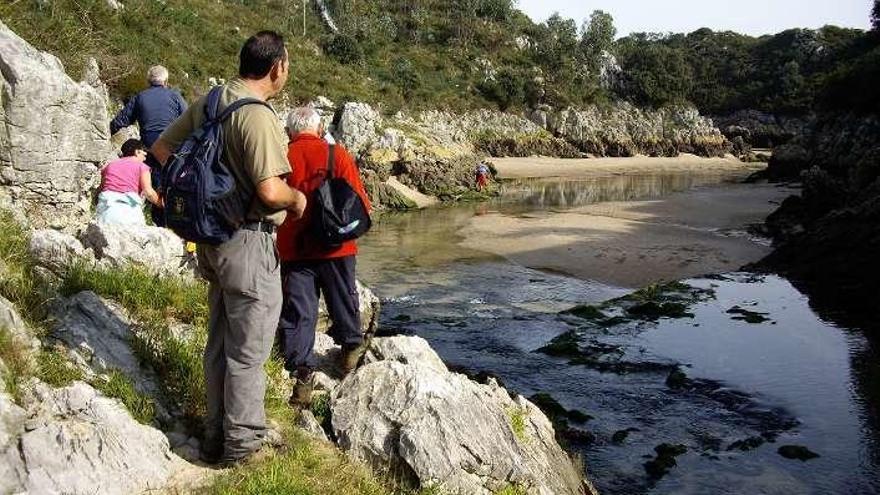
517, 417
119, 386
17, 281
54, 368
18, 364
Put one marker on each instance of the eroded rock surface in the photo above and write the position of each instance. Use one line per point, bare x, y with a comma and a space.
49, 164
73, 440
411, 417
158, 250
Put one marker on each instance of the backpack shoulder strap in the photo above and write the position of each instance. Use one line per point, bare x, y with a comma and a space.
331, 160
212, 103
235, 105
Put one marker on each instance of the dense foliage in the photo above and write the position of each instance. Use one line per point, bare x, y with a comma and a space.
457, 54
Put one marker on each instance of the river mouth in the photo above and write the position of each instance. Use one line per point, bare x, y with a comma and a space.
763, 376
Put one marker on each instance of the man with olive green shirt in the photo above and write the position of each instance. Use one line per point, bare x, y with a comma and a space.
244, 272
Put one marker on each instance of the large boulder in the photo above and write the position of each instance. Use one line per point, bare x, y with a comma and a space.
158, 250
53, 135
407, 415
76, 441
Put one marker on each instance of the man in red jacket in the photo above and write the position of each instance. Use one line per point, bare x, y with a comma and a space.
308, 266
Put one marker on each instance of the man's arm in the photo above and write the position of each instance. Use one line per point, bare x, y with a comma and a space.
125, 117
277, 195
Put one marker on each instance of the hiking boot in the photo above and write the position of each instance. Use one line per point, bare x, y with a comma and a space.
301, 398
210, 452
229, 462
351, 356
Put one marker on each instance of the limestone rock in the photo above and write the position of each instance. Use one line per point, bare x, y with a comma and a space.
12, 419
405, 349
357, 126
158, 250
80, 442
309, 424
430, 426
54, 249
15, 325
53, 135
100, 334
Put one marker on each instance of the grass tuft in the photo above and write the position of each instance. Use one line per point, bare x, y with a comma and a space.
119, 386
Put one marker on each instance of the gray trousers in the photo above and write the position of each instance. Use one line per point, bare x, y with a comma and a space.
245, 303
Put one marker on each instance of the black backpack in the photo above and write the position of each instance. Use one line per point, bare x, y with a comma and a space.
338, 213
202, 202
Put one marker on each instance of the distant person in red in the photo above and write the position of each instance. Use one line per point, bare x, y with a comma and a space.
125, 183
482, 176
309, 267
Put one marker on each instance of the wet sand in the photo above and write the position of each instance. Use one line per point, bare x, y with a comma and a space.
632, 243
535, 167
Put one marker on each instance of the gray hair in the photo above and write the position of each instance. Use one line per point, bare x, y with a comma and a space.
302, 119
157, 75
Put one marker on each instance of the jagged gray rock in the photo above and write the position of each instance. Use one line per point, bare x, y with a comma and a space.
405, 349
156, 249
357, 126
429, 426
54, 249
76, 441
99, 336
12, 418
48, 164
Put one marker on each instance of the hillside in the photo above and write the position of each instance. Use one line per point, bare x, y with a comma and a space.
425, 54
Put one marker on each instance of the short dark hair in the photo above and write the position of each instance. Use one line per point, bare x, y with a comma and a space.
259, 53
131, 146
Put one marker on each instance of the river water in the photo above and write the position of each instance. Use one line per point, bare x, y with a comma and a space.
786, 378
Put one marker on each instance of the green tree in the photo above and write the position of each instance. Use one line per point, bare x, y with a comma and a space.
597, 37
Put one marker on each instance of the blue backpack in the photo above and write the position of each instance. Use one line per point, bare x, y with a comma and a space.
202, 201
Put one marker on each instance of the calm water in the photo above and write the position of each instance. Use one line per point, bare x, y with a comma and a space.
794, 379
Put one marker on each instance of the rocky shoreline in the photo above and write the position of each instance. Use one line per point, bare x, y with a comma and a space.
827, 238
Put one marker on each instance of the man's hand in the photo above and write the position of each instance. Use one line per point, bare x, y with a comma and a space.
296, 210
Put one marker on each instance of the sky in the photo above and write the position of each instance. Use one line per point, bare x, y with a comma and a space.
755, 17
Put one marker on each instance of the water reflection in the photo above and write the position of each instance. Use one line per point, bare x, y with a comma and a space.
559, 193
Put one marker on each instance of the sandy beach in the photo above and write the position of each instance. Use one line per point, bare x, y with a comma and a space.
632, 243
536, 167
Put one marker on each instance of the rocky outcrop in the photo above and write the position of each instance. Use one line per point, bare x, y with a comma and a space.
760, 129
48, 164
74, 440
829, 236
406, 414
155, 249
622, 129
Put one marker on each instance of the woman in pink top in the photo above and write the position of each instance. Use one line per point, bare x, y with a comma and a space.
124, 184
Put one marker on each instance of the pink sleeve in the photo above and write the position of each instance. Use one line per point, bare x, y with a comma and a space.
145, 168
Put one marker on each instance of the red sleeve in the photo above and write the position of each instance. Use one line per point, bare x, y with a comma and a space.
348, 170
